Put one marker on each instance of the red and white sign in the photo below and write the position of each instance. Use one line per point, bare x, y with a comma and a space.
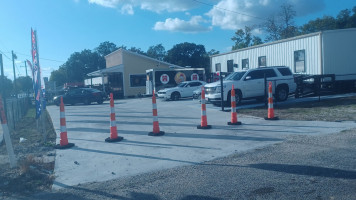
164, 78
194, 77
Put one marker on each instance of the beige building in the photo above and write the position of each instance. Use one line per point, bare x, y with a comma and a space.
125, 73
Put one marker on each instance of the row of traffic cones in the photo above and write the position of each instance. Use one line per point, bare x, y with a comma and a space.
204, 123
156, 130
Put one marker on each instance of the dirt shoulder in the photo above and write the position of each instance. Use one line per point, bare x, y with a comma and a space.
35, 158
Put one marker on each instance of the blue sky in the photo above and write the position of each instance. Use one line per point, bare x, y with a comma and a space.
68, 26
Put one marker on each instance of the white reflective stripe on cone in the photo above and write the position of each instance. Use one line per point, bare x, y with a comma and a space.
269, 95
155, 118
233, 109
113, 123
203, 112
62, 115
203, 101
154, 106
112, 109
270, 105
232, 98
63, 129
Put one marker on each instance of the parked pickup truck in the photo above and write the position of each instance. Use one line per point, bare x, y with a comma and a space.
250, 84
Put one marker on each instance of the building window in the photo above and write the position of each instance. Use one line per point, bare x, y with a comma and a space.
138, 80
299, 61
262, 61
245, 64
217, 67
230, 65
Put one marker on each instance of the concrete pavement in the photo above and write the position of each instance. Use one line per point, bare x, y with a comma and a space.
93, 160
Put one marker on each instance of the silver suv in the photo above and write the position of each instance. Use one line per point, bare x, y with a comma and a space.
250, 84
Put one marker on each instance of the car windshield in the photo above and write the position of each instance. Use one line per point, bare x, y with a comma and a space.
235, 76
181, 84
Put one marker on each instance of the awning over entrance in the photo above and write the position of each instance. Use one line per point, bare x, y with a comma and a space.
118, 68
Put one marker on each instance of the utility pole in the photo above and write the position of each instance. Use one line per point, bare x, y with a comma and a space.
13, 66
2, 77
2, 81
26, 68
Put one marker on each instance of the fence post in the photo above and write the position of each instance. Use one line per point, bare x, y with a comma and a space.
8, 143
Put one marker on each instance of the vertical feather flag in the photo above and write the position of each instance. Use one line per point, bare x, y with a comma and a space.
36, 73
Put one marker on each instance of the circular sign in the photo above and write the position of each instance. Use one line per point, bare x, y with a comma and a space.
164, 78
194, 77
179, 77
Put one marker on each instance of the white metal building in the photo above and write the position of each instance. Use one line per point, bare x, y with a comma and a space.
326, 52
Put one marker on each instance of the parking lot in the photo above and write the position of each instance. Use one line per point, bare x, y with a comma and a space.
93, 160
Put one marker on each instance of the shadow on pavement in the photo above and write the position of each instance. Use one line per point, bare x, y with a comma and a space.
306, 170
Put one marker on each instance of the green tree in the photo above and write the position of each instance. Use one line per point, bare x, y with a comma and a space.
6, 88
287, 15
24, 84
319, 24
213, 52
59, 76
243, 38
188, 54
281, 26
106, 48
137, 50
157, 52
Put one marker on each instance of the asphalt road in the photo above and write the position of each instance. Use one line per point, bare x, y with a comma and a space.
302, 167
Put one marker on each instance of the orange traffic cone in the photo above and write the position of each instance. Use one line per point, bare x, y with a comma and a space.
63, 142
204, 120
270, 104
113, 128
233, 109
156, 131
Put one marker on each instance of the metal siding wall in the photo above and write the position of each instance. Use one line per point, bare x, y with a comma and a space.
339, 52
277, 54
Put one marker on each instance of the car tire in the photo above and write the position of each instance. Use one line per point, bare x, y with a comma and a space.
282, 93
175, 96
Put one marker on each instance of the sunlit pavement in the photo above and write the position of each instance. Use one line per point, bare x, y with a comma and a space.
94, 160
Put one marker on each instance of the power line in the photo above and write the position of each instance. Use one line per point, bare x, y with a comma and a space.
229, 10
31, 56
5, 55
41, 58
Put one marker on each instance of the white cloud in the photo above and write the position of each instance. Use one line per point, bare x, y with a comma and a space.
127, 9
226, 14
178, 25
235, 14
106, 3
151, 5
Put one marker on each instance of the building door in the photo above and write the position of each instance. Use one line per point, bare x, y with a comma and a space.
116, 84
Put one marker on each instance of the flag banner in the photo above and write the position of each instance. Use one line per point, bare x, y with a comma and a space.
36, 73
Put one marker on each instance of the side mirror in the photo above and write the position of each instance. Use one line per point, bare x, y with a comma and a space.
247, 78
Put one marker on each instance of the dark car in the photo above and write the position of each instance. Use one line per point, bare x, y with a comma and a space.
81, 95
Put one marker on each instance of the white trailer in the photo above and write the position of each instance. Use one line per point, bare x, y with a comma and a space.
325, 54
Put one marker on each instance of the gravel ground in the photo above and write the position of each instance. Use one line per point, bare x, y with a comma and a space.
303, 167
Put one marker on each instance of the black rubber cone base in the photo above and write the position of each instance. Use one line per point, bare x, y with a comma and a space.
204, 127
236, 123
274, 118
69, 145
156, 134
118, 139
